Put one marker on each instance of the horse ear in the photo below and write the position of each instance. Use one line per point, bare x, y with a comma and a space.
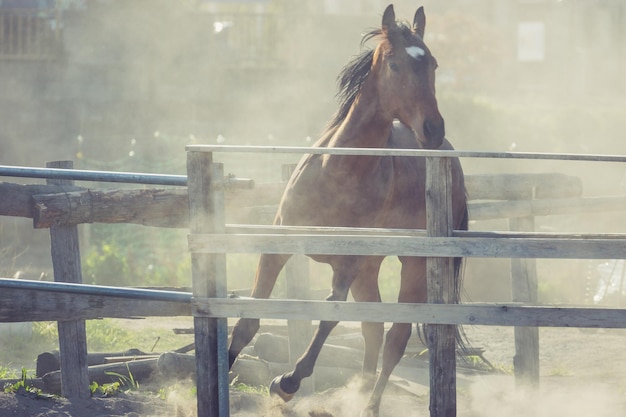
419, 22
389, 19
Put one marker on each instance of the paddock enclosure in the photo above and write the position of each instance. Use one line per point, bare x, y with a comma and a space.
522, 197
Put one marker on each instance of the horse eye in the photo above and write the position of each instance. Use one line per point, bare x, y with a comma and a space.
393, 66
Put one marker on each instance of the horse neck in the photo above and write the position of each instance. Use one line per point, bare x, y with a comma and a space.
365, 126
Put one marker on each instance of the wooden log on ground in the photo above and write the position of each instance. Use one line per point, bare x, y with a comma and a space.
252, 371
177, 365
273, 348
31, 382
138, 371
247, 369
49, 361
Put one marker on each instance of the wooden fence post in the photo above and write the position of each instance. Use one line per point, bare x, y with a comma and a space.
440, 272
72, 335
206, 210
524, 289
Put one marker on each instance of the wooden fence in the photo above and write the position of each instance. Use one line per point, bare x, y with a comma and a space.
209, 243
209, 193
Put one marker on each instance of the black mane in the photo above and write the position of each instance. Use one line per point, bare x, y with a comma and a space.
352, 76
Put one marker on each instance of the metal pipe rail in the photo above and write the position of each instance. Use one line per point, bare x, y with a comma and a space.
97, 290
108, 176
89, 175
406, 152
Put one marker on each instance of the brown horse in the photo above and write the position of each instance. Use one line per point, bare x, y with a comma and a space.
387, 101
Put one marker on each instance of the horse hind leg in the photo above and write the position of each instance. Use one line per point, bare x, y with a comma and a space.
412, 290
244, 330
395, 344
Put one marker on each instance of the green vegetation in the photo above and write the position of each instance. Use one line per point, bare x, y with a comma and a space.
123, 384
24, 386
131, 255
107, 335
263, 390
6, 372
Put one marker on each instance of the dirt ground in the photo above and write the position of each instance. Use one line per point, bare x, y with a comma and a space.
582, 374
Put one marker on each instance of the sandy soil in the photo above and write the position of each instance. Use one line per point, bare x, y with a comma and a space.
582, 374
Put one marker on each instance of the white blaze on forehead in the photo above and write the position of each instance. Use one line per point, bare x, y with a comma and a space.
415, 51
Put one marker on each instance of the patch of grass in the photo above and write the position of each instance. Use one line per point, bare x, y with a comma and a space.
24, 387
105, 390
123, 384
250, 389
6, 372
105, 335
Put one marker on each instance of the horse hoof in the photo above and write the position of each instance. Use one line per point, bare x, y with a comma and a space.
275, 389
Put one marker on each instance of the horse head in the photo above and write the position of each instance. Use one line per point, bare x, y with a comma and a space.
405, 78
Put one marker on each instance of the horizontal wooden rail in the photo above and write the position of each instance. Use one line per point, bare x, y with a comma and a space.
464, 314
486, 245
548, 207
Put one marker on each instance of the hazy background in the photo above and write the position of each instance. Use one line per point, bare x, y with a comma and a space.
125, 85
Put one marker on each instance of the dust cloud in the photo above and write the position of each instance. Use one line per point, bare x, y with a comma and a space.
134, 82
557, 401
491, 397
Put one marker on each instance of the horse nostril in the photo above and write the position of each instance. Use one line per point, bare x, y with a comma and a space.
434, 130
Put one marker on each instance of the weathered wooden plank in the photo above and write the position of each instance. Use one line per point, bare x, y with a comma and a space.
168, 208
151, 207
524, 288
72, 334
548, 207
522, 186
16, 199
441, 289
484, 187
208, 274
496, 246
471, 313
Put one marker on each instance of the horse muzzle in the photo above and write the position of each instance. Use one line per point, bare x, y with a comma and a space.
434, 133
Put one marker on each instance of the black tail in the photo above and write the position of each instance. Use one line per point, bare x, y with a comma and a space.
461, 339
463, 346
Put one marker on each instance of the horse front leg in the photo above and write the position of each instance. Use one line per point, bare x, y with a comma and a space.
365, 289
286, 385
268, 269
